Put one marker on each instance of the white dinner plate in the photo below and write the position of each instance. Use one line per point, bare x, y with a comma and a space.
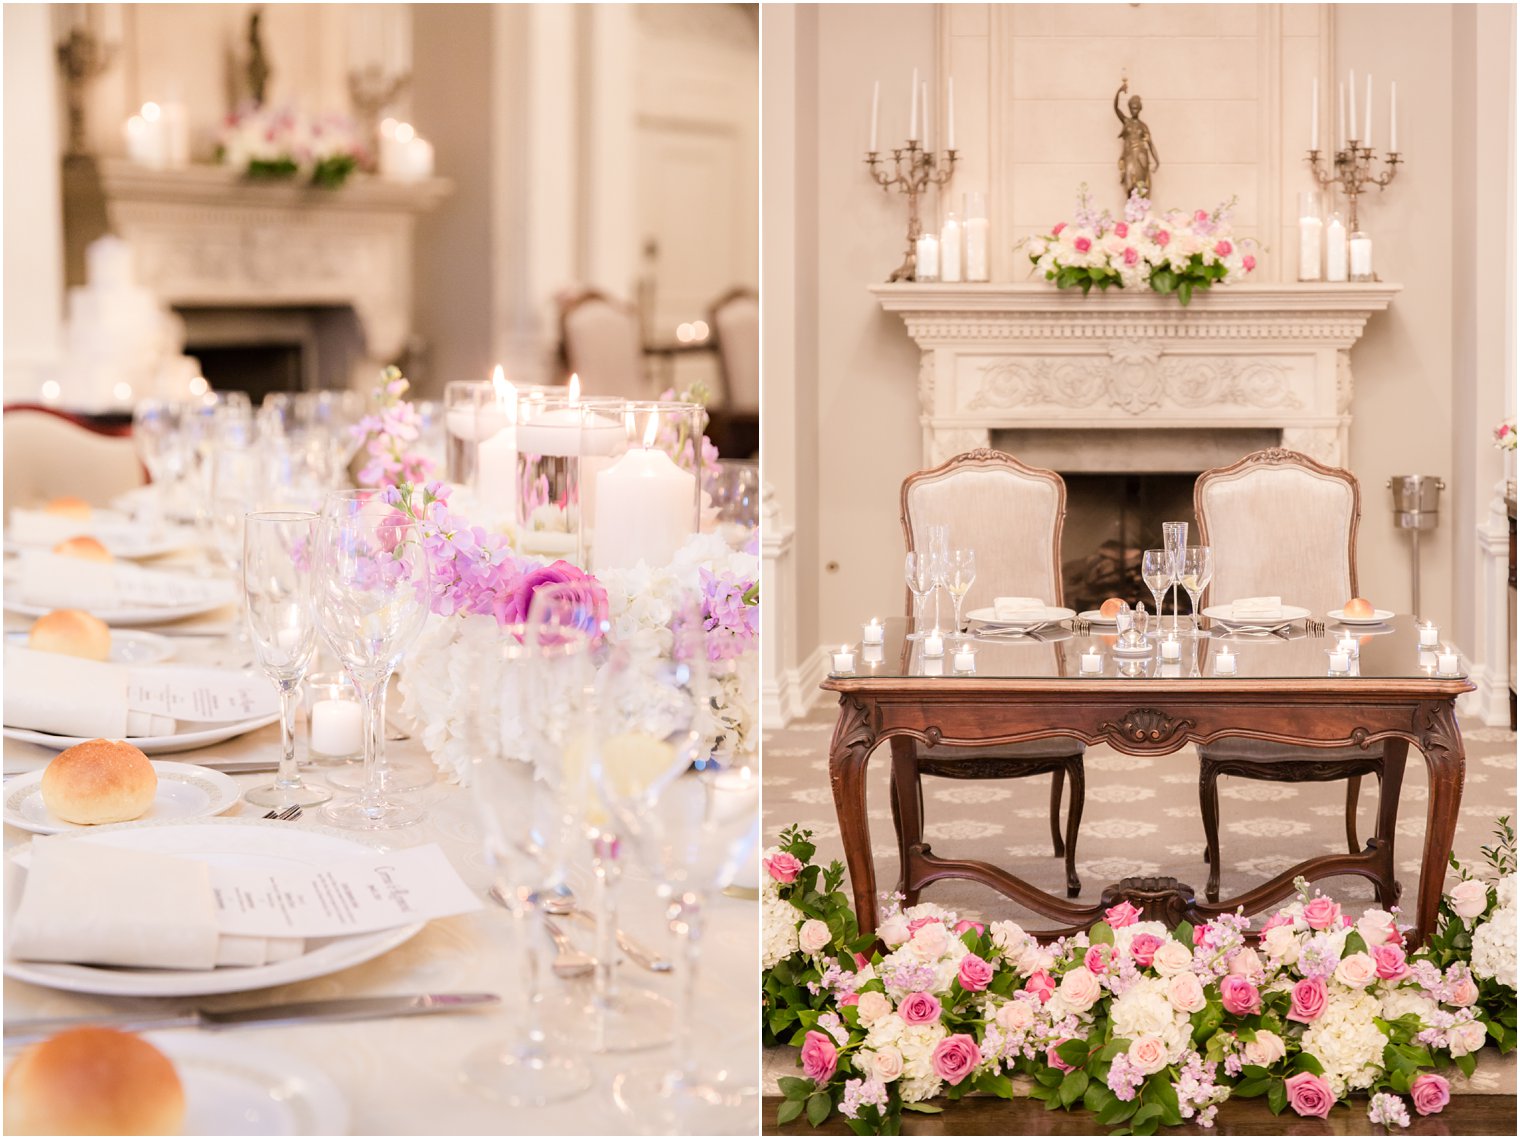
167, 541
185, 791
128, 646
1095, 617
1377, 618
1224, 615
260, 844
141, 615
235, 1087
1036, 617
192, 737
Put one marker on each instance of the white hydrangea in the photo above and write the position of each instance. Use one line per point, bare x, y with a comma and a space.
1505, 888
779, 920
1493, 943
1346, 1040
1144, 1010
1404, 1000
919, 1080
887, 1030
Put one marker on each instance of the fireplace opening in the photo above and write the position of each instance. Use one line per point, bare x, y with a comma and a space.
1111, 520
274, 349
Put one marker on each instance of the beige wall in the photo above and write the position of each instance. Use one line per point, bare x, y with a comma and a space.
1430, 373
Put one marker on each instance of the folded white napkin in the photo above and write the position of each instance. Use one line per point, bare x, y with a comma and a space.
69, 696
1256, 608
1016, 608
90, 903
49, 580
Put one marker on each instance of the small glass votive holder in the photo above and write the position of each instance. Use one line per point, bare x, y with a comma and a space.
1340, 661
844, 661
963, 662
1092, 662
934, 666
872, 632
933, 645
1430, 636
872, 654
334, 719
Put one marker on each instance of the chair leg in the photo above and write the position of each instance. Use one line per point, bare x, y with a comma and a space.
1078, 780
1208, 801
907, 810
1390, 783
1353, 796
1057, 779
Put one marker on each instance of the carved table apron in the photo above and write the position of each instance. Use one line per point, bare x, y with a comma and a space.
1156, 718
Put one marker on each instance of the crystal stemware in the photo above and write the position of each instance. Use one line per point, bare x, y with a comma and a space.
960, 572
1197, 572
918, 571
1156, 572
1174, 538
160, 442
371, 596
277, 549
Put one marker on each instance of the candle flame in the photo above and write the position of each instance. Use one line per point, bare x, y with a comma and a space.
649, 432
405, 132
575, 388
505, 392
151, 112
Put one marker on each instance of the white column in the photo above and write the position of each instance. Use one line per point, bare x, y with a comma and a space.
611, 251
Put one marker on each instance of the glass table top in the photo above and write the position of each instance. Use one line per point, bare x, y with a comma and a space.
1386, 651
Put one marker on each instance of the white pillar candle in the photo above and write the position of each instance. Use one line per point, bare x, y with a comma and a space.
1314, 116
934, 644
1224, 663
1430, 636
1171, 650
965, 659
976, 249
844, 660
875, 111
1360, 249
1092, 662
1335, 249
928, 120
950, 250
337, 728
872, 632
926, 264
1340, 662
645, 510
1311, 233
1448, 662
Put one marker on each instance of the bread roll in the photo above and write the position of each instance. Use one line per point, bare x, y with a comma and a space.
72, 632
93, 1081
1110, 608
99, 781
1358, 607
85, 547
69, 507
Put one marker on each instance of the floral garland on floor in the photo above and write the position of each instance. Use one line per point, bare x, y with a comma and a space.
1142, 1026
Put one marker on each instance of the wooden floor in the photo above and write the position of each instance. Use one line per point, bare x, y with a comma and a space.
1465, 1115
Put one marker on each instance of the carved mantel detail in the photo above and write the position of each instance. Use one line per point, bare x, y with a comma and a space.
1032, 357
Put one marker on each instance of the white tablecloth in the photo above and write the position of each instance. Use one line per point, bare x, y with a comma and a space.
401, 1076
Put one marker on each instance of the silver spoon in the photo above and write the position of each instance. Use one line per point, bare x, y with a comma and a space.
569, 962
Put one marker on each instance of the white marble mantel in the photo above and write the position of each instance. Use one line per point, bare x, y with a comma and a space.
1031, 357
205, 237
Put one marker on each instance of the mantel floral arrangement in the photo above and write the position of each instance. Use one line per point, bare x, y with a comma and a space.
480, 585
1504, 435
267, 142
1172, 252
1141, 1026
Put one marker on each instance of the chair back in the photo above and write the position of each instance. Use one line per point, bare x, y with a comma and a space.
1009, 513
50, 453
736, 325
603, 344
1280, 523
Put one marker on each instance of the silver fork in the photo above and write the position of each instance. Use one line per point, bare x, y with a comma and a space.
569, 962
289, 814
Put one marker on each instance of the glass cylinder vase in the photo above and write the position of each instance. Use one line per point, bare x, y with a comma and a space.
648, 489
549, 477
481, 420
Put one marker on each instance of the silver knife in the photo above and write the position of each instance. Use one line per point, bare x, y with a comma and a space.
294, 1012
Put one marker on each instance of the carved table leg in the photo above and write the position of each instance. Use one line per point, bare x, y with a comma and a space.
854, 737
1078, 779
907, 811
1390, 783
1208, 801
1446, 761
1353, 797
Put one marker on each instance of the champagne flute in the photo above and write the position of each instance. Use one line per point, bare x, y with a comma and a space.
960, 572
277, 548
1197, 572
160, 444
1156, 572
1174, 538
919, 574
371, 595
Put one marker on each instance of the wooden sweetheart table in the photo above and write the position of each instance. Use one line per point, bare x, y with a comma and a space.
1027, 689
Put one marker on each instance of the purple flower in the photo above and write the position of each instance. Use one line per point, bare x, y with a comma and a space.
730, 614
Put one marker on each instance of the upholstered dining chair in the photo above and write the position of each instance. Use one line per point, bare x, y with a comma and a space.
1282, 524
50, 453
735, 320
1011, 515
601, 341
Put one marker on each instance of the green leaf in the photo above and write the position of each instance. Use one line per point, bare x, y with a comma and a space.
1113, 1049
1355, 943
1185, 292
1277, 1097
1160, 1086
1118, 1111
819, 1104
1074, 1052
1073, 1086
995, 1083
788, 1111
1101, 934
1249, 1089
1305, 1062
1146, 1113
794, 1087
1097, 1097
1468, 1063
923, 1108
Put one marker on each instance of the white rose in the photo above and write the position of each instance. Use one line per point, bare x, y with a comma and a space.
887, 1064
1467, 1037
1148, 1054
930, 941
894, 931
1282, 943
1080, 988
1356, 971
1376, 927
813, 935
1015, 1016
1009, 937
872, 1007
1033, 959
1505, 889
1172, 958
1267, 1049
1469, 898
1185, 993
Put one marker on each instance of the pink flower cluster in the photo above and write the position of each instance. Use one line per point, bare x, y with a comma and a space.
388, 434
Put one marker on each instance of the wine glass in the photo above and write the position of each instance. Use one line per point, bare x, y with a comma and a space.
160, 444
524, 715
1197, 572
233, 493
277, 549
918, 571
1156, 572
370, 594
1174, 538
960, 572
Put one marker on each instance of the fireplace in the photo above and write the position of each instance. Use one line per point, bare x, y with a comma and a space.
262, 349
1111, 520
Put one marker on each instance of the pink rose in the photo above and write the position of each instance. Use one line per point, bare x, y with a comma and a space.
512, 608
1162, 238
1267, 1049
1200, 216
966, 923
974, 973
1131, 255
1469, 898
1082, 244
1015, 1016
850, 999
1200, 934
813, 936
1248, 263
784, 867
819, 1057
1053, 1058
887, 1063
1173, 957
1121, 229
1060, 225
1247, 963
1377, 927
1322, 913
894, 931
1148, 1054
930, 942
1098, 957
1464, 993
919, 923
1142, 948
1223, 248
1041, 984
873, 1006
1186, 994
1430, 1093
955, 1057
1391, 965
1309, 1094
1121, 915
1356, 970
1466, 1037
1239, 996
1281, 917
1080, 988
1308, 1001
919, 1008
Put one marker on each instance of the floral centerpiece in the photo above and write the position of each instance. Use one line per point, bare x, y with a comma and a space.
1504, 435
268, 142
1141, 1025
1172, 252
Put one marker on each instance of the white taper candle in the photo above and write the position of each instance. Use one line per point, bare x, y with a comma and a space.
913, 113
1367, 130
1393, 116
875, 112
1351, 83
950, 121
1314, 117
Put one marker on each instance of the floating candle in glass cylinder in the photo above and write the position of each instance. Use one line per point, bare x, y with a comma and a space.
549, 475
647, 499
481, 423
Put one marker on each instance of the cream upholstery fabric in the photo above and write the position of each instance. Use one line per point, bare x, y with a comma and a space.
47, 457
1280, 530
604, 346
736, 324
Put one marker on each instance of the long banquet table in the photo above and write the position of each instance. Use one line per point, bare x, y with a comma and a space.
400, 1076
1030, 688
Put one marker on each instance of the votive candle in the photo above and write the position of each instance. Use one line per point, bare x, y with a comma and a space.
1092, 662
934, 644
844, 659
1340, 662
965, 659
1171, 649
1430, 636
1448, 662
1224, 663
871, 632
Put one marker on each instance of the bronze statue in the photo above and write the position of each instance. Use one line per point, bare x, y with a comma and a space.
1139, 157
258, 66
